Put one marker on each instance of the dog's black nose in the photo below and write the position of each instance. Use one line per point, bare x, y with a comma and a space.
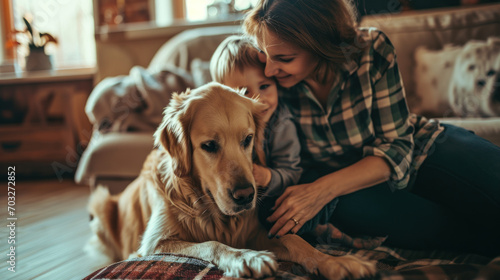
243, 193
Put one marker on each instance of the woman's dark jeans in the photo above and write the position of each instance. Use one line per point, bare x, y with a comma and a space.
454, 203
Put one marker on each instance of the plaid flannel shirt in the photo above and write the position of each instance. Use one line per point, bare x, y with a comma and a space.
366, 114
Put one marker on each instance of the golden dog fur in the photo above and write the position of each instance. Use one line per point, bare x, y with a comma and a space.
196, 195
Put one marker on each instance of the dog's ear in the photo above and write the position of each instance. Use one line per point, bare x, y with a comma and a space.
260, 124
173, 133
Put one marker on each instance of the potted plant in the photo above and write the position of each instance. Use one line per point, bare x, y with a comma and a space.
35, 41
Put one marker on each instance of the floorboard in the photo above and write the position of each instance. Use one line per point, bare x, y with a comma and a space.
51, 231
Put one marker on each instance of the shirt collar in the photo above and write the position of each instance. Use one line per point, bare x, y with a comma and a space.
350, 67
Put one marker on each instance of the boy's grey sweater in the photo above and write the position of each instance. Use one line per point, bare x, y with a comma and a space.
282, 149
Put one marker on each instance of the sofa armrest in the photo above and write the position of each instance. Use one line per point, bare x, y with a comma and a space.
200, 43
119, 155
488, 128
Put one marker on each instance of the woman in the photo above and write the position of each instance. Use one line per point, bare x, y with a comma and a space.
422, 184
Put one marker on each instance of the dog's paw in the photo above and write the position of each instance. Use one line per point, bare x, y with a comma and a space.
249, 263
346, 267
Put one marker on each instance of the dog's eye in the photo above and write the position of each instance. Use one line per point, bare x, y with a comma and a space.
210, 146
247, 141
490, 73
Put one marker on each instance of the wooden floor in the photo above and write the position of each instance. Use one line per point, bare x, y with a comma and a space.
51, 231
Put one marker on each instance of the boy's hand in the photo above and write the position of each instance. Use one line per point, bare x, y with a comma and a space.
262, 175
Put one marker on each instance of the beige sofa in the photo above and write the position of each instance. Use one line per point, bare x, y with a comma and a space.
432, 40
114, 159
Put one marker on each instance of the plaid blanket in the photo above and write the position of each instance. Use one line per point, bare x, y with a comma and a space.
392, 264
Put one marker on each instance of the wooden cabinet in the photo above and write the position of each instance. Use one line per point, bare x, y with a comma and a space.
42, 116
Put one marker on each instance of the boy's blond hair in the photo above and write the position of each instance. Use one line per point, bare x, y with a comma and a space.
234, 53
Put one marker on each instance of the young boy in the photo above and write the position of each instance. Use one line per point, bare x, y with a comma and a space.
235, 63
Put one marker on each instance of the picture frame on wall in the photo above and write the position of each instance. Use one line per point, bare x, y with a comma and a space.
117, 12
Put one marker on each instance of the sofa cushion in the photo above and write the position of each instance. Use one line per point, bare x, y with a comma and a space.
433, 71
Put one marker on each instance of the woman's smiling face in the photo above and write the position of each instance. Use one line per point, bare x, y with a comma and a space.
288, 63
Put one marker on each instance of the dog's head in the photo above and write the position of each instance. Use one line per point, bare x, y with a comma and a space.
475, 85
210, 132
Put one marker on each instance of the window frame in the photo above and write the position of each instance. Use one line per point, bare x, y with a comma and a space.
6, 27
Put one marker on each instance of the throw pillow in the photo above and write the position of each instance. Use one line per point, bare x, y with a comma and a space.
475, 86
432, 76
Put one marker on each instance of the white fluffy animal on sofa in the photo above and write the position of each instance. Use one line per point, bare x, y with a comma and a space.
475, 85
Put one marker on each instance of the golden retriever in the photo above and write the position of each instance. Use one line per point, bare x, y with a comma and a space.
196, 195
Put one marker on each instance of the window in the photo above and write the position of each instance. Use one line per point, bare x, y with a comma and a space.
198, 10
113, 15
70, 21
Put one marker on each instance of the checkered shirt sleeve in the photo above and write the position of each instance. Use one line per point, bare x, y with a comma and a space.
393, 130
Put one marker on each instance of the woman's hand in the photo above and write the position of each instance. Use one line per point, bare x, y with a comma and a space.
303, 202
262, 175
300, 202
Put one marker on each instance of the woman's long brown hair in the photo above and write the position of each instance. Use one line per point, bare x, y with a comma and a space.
326, 29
